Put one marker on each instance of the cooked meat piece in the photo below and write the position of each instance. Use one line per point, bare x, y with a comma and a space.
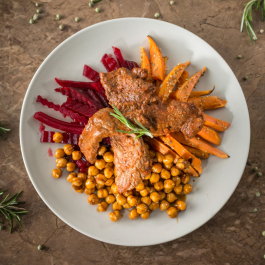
137, 98
131, 158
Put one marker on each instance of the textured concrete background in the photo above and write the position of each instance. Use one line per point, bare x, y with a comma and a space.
233, 236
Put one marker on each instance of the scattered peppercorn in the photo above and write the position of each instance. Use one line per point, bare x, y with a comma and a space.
38, 11
37, 4
260, 174
261, 31
257, 194
255, 169
263, 233
98, 10
58, 17
61, 27
77, 19
239, 56
172, 2
31, 21
91, 4
157, 15
245, 78
255, 210
35, 17
40, 247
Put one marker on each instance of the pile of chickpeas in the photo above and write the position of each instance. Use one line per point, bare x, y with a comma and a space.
164, 188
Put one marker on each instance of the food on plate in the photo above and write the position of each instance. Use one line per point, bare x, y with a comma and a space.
137, 134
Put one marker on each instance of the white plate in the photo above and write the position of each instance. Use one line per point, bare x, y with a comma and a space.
220, 176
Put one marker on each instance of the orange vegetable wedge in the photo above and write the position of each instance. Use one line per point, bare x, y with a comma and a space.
183, 78
183, 92
145, 63
210, 135
157, 61
171, 80
195, 94
196, 152
199, 144
208, 102
182, 151
214, 123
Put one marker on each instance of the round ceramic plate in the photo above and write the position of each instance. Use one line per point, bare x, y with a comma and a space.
220, 176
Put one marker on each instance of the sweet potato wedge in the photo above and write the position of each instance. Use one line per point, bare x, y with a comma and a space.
210, 135
145, 63
195, 94
200, 144
196, 152
157, 61
182, 151
208, 102
171, 80
214, 123
183, 78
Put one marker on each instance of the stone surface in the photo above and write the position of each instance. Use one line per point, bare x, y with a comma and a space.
233, 236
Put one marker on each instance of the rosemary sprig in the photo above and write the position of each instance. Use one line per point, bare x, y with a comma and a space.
10, 211
247, 17
135, 130
3, 130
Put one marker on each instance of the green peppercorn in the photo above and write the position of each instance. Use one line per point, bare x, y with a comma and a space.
263, 233
31, 21
77, 19
261, 31
35, 17
255, 210
157, 15
93, 1
239, 56
91, 4
245, 78
98, 10
38, 11
40, 247
37, 4
172, 2
259, 174
255, 169
257, 194
61, 27
58, 17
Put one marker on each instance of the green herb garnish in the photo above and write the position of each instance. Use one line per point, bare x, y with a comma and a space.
135, 130
247, 17
3, 131
10, 211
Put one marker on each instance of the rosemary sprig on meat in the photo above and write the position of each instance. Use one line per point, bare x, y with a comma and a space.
10, 211
247, 17
134, 130
3, 131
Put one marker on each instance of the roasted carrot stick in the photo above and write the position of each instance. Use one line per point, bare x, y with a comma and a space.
208, 102
184, 153
145, 63
199, 144
157, 61
210, 135
214, 123
194, 94
183, 78
183, 92
196, 152
171, 80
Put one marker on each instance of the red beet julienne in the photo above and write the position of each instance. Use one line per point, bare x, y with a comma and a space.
91, 73
113, 65
68, 138
119, 57
131, 64
104, 62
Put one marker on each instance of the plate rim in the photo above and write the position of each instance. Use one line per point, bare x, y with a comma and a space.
22, 145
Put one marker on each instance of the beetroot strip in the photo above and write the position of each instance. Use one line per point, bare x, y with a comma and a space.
91, 73
104, 62
76, 84
131, 64
68, 138
113, 65
119, 57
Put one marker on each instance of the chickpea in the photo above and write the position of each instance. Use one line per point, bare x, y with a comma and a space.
77, 182
178, 189
171, 197
110, 199
146, 215
71, 176
132, 200
108, 157
92, 171
100, 164
162, 195
102, 150
180, 165
154, 196
116, 206
145, 191
168, 159
121, 200
148, 176
93, 199
100, 179
109, 182
172, 212
177, 180
103, 193
152, 153
89, 191
70, 166
76, 155
168, 166
138, 200
185, 178
154, 206
99, 186
154, 178
61, 162
90, 183
181, 205
152, 189
165, 174
159, 157
59, 153
109, 190
164, 205
78, 189
159, 186
68, 149
147, 200
187, 188
57, 173
156, 168
141, 208
82, 176
133, 214
169, 184
57, 137
109, 164
175, 171
103, 206
126, 206
108, 172
115, 216
140, 187
114, 188
127, 193
111, 149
